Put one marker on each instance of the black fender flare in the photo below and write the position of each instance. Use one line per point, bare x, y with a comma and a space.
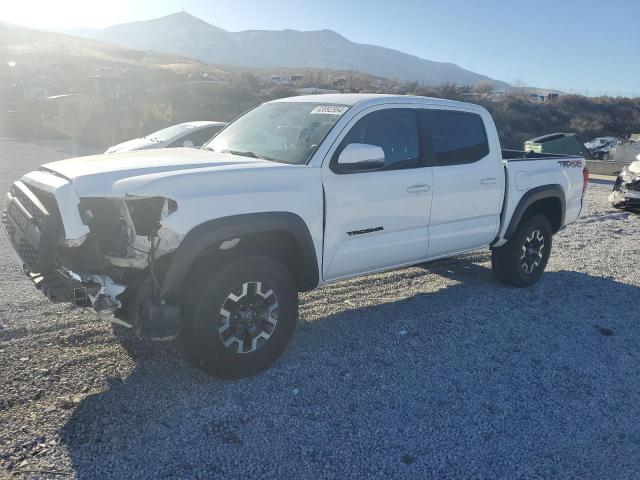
216, 231
532, 196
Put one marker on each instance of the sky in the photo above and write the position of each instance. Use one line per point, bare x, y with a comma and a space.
586, 46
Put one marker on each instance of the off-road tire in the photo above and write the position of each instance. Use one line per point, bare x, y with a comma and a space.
202, 341
508, 265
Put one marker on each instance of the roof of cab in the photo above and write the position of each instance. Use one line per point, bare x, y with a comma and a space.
352, 99
336, 98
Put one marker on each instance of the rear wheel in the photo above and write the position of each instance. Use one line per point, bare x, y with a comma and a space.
522, 260
243, 318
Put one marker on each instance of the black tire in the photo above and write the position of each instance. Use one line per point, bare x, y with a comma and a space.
204, 343
508, 265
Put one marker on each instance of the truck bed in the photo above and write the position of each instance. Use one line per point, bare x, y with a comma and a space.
515, 155
527, 172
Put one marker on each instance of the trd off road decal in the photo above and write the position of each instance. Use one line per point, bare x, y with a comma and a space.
571, 163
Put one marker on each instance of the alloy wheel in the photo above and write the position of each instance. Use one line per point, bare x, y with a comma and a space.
248, 317
532, 251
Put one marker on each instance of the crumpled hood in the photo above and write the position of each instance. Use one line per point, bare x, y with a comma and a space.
135, 144
96, 175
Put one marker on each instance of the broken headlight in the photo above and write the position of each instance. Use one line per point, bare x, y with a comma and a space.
107, 223
114, 222
146, 213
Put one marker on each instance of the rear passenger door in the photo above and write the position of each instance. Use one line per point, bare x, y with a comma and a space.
468, 182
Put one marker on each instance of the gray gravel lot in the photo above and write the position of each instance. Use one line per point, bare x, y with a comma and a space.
434, 371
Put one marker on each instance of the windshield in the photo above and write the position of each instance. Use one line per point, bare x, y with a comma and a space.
287, 132
169, 133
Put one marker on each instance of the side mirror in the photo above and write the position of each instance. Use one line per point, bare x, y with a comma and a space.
362, 154
187, 143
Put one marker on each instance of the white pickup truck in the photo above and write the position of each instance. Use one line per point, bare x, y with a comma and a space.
214, 245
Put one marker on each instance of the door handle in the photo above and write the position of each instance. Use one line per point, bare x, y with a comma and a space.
418, 188
489, 181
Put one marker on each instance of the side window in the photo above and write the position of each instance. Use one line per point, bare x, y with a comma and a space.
458, 137
200, 137
395, 131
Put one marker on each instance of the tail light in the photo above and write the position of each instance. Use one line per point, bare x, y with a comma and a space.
585, 178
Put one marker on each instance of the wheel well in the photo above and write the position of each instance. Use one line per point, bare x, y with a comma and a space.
283, 246
550, 207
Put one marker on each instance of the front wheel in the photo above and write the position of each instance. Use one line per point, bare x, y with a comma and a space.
243, 318
522, 260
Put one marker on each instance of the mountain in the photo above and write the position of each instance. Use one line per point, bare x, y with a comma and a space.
184, 34
45, 54
33, 56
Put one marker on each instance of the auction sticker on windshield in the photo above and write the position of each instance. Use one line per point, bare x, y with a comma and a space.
329, 110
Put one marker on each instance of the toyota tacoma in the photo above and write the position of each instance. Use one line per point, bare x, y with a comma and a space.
214, 245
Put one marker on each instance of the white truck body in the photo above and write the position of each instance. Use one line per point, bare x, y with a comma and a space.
358, 220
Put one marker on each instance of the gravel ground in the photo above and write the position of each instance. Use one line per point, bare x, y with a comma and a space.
429, 372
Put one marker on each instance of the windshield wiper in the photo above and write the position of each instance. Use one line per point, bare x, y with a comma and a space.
243, 153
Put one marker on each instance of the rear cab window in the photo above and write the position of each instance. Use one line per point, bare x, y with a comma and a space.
457, 138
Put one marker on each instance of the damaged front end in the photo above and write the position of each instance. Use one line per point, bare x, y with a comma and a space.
626, 190
124, 232
102, 253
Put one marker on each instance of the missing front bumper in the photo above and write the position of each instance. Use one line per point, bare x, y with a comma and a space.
154, 319
99, 292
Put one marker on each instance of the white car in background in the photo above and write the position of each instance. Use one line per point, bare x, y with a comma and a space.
189, 134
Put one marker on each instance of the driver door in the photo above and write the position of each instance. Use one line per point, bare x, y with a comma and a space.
377, 219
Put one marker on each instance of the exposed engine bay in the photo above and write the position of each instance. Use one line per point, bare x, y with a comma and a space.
124, 232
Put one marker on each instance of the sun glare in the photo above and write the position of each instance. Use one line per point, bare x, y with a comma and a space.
64, 14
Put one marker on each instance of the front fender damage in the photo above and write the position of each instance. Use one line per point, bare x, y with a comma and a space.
128, 236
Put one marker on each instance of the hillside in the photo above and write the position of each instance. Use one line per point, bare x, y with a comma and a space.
28, 48
32, 51
184, 34
35, 65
